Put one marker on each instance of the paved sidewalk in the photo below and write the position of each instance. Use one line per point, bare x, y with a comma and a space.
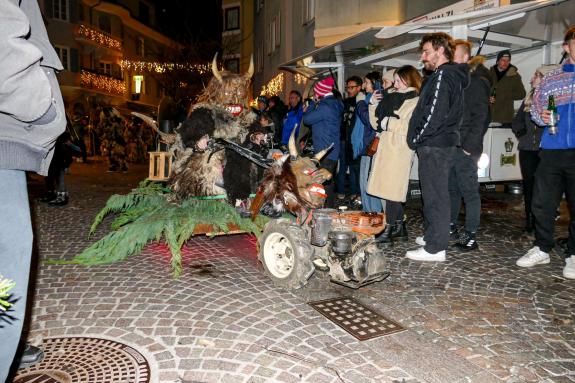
475, 318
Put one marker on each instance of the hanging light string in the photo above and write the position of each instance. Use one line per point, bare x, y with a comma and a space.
161, 67
101, 82
98, 37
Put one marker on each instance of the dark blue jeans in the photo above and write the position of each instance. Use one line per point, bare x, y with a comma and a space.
434, 167
463, 183
341, 175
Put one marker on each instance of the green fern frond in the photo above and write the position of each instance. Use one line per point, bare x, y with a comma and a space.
145, 215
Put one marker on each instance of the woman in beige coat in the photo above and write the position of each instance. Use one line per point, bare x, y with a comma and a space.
389, 177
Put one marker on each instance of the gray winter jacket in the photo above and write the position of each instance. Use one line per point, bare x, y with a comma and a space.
32, 112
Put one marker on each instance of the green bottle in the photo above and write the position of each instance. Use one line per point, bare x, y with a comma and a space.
553, 128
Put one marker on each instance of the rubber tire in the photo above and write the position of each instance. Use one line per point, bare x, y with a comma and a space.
303, 266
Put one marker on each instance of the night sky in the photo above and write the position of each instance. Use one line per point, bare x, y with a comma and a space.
186, 20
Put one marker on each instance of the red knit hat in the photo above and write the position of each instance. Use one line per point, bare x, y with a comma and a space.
323, 87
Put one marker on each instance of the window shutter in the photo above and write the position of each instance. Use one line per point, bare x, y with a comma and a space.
74, 60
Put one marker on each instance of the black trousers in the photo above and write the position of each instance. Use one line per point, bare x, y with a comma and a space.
528, 162
393, 212
463, 183
434, 167
554, 176
329, 186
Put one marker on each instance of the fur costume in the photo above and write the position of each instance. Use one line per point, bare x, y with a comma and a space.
221, 112
293, 183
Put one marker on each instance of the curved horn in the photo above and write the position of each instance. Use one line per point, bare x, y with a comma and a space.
322, 153
215, 68
250, 71
291, 143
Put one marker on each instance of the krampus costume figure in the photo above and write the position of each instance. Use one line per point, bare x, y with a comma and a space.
293, 183
221, 112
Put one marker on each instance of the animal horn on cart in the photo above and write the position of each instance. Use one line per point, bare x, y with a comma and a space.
250, 71
257, 204
322, 153
291, 143
215, 68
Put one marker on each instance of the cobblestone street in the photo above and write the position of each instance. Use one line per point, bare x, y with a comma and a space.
474, 318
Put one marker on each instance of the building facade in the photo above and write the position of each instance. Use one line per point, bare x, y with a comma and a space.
286, 29
237, 34
109, 50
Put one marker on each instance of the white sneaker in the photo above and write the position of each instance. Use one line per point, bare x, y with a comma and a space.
569, 269
422, 255
420, 241
533, 257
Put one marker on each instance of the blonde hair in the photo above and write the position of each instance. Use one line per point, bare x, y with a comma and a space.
542, 71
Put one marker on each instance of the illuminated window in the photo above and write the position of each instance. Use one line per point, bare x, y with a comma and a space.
138, 82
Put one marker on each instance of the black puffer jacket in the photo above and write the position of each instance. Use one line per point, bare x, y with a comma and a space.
476, 116
438, 114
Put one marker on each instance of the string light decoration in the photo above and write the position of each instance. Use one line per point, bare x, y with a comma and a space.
159, 67
98, 37
274, 87
299, 79
100, 82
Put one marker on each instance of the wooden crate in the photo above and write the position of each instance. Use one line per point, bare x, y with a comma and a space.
160, 166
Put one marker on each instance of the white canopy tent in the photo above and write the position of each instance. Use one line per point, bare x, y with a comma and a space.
532, 31
526, 26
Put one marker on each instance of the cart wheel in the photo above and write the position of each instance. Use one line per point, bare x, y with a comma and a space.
285, 256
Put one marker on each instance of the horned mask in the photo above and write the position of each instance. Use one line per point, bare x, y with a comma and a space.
293, 183
229, 89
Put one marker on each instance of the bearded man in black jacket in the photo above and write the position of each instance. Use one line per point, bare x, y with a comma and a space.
463, 180
434, 133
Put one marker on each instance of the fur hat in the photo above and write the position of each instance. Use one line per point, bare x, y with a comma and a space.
504, 53
323, 87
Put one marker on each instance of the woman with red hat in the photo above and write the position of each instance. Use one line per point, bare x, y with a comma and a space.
323, 116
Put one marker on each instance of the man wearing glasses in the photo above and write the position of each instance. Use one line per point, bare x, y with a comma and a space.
353, 86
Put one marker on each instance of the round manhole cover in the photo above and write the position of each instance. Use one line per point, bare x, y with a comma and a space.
83, 360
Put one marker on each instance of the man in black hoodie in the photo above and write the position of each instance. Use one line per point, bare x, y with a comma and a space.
463, 180
434, 133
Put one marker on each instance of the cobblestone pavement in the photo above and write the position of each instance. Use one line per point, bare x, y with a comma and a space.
474, 318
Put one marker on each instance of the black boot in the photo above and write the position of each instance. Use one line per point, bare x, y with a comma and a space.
399, 231
385, 235
60, 200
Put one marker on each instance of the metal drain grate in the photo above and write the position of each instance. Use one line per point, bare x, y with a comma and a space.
358, 320
84, 360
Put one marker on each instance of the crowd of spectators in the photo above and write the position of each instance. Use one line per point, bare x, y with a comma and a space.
442, 113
